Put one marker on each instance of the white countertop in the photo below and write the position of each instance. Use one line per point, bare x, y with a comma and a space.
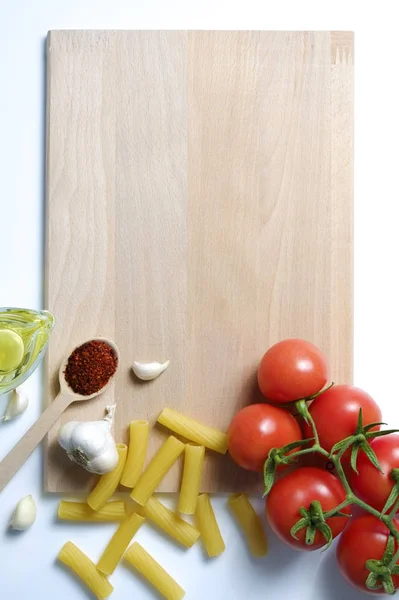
27, 560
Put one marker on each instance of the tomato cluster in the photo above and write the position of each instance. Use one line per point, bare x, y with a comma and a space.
290, 372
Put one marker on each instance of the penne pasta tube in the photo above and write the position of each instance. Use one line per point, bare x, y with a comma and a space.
137, 451
157, 469
86, 570
169, 522
81, 511
119, 543
108, 483
145, 564
192, 430
208, 527
192, 473
250, 523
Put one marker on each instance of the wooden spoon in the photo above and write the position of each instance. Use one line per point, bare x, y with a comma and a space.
32, 438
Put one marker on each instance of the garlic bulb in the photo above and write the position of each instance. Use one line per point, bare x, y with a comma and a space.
90, 443
17, 404
148, 371
24, 514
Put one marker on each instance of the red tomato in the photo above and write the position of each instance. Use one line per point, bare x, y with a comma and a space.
370, 485
291, 370
363, 538
258, 428
298, 489
336, 412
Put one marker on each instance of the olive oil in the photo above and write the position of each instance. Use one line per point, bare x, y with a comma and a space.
24, 335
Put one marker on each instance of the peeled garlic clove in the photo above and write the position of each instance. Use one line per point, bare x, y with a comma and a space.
17, 404
24, 514
148, 371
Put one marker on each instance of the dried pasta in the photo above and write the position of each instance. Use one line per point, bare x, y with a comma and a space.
86, 570
80, 511
192, 430
145, 564
157, 469
192, 472
169, 522
208, 527
139, 431
108, 483
119, 543
249, 523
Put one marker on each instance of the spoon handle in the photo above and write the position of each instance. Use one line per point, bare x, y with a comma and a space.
32, 438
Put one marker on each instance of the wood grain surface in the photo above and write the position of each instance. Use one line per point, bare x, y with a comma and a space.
199, 210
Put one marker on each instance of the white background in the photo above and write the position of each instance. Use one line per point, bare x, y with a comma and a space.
27, 560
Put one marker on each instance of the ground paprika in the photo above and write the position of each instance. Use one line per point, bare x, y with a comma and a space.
90, 367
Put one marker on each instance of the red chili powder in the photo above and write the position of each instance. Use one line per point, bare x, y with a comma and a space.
90, 367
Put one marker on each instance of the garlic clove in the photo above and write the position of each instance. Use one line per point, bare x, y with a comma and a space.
17, 404
148, 371
24, 514
65, 434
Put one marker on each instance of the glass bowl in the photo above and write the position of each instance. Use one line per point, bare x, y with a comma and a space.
24, 335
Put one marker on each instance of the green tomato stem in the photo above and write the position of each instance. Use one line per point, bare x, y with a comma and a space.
321, 450
393, 510
303, 410
355, 500
395, 556
313, 449
330, 513
314, 430
341, 474
302, 452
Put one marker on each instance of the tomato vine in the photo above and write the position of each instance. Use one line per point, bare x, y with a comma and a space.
314, 519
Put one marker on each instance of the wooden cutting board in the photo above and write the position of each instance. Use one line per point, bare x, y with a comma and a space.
199, 209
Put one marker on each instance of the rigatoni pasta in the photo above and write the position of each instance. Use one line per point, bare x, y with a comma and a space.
139, 431
169, 522
108, 483
79, 563
191, 481
192, 430
249, 523
208, 527
145, 564
157, 469
81, 511
118, 543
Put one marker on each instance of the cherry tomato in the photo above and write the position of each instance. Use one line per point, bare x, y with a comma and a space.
336, 413
298, 489
291, 370
370, 485
363, 538
258, 428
